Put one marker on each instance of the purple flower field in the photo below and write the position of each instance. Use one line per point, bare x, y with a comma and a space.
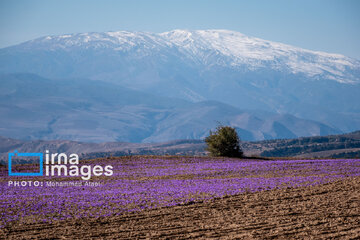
142, 182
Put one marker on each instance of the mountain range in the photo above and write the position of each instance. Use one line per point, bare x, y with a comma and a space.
91, 111
149, 87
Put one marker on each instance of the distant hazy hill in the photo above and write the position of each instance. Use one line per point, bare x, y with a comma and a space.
93, 150
218, 65
333, 146
32, 107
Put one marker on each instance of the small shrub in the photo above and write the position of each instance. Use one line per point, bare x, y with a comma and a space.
224, 142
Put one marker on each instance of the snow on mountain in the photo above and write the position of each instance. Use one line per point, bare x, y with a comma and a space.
118, 41
213, 47
256, 52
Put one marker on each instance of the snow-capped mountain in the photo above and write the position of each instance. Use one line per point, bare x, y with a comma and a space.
221, 65
210, 48
235, 49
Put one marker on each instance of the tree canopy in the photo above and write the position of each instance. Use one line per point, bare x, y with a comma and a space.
224, 142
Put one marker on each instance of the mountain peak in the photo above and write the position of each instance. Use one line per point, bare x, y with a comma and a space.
208, 48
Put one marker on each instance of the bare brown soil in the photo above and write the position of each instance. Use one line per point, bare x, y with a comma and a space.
328, 211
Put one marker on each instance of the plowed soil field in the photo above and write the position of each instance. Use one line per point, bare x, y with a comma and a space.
325, 210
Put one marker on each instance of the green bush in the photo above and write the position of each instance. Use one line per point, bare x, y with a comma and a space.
224, 142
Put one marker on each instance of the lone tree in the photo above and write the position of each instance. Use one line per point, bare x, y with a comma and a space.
224, 142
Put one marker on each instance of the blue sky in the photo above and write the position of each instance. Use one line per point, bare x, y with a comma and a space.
331, 25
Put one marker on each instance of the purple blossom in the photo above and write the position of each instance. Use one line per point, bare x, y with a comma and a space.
143, 183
